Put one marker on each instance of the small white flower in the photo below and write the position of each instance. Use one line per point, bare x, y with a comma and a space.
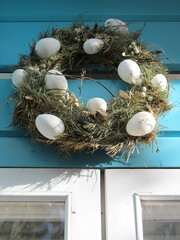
33, 69
143, 94
150, 98
136, 50
43, 65
76, 104
63, 98
77, 30
67, 95
144, 89
76, 100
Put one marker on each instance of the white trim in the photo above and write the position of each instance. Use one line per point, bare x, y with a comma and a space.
138, 217
27, 196
159, 197
103, 223
68, 213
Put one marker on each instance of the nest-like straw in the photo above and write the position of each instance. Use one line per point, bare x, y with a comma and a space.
83, 129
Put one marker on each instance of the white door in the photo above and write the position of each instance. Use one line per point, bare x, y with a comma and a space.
142, 204
57, 204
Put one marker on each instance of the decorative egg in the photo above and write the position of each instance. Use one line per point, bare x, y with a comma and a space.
129, 71
116, 25
47, 47
95, 104
93, 45
159, 81
55, 80
18, 77
49, 125
141, 124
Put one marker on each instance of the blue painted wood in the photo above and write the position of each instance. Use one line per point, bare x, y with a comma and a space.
16, 36
6, 107
21, 152
92, 18
45, 10
6, 110
171, 119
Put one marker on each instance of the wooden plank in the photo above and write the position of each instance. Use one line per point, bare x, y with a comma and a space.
45, 10
21, 152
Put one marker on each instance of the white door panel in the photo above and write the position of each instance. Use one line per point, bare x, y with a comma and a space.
121, 188
79, 189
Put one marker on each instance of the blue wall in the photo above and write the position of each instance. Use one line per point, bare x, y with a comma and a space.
21, 21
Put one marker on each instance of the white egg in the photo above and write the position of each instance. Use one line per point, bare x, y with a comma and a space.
141, 124
18, 77
55, 80
49, 125
159, 81
129, 71
93, 45
47, 47
116, 25
95, 104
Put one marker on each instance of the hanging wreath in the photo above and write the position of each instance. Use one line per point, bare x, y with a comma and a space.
55, 116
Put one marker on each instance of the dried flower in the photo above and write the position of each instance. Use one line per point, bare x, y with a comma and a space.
144, 89
150, 98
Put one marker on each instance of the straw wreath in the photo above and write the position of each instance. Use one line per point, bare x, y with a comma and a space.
53, 115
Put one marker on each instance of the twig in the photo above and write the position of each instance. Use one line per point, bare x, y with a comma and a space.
79, 78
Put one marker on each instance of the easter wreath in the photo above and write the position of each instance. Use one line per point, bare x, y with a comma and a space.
55, 116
